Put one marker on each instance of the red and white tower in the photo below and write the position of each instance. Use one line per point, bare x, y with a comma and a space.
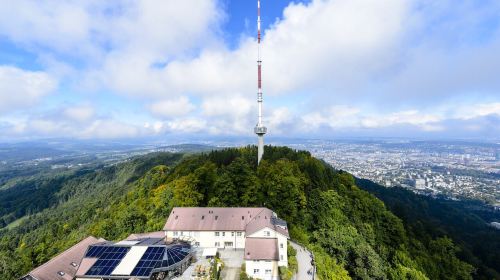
259, 129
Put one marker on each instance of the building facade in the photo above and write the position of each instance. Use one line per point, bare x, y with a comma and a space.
257, 231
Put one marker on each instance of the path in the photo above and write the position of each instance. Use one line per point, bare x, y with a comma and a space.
304, 262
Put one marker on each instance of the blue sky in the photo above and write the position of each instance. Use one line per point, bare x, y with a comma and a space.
331, 68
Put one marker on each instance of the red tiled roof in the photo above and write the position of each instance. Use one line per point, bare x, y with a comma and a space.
246, 219
155, 234
263, 220
210, 218
63, 262
261, 249
85, 265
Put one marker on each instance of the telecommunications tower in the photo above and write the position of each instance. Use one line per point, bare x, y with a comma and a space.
259, 129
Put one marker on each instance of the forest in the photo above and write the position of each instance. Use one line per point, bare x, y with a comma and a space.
353, 234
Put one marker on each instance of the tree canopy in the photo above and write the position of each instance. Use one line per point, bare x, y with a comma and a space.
351, 232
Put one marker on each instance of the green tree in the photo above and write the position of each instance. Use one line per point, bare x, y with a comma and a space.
185, 192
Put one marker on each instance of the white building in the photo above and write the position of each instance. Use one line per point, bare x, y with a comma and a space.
258, 231
419, 184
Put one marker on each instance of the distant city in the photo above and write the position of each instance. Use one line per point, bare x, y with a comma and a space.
450, 169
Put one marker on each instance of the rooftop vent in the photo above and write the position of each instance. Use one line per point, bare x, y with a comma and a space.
60, 273
74, 264
203, 217
216, 217
176, 217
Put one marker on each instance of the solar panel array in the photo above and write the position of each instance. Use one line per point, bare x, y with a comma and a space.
108, 258
154, 257
150, 260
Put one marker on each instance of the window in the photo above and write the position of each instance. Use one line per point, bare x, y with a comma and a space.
256, 271
197, 244
268, 271
216, 217
281, 245
281, 257
238, 233
217, 244
182, 233
267, 233
217, 233
232, 233
203, 217
223, 233
242, 217
176, 233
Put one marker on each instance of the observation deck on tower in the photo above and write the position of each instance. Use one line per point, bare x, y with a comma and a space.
260, 130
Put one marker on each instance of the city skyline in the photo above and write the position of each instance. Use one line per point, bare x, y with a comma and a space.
94, 70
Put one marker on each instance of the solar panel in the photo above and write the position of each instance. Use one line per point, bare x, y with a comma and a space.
150, 260
95, 251
109, 258
175, 254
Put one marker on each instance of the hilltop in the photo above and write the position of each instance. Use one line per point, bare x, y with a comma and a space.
351, 232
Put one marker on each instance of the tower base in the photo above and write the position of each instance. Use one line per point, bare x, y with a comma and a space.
260, 148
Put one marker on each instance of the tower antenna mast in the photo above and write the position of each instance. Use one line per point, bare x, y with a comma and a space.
259, 129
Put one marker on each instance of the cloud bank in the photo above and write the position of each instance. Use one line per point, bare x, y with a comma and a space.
331, 67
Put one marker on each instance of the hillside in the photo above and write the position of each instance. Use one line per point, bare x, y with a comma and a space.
351, 232
466, 222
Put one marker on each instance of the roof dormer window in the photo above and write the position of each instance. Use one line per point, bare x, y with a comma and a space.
216, 217
176, 217
203, 217
60, 273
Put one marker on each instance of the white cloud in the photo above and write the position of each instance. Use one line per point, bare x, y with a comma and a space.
347, 117
190, 125
109, 129
472, 111
80, 113
80, 28
233, 106
172, 108
412, 61
411, 117
338, 116
324, 43
20, 89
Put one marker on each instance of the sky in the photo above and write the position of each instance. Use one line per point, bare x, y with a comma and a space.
331, 68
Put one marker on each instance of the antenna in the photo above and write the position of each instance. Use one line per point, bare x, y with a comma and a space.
259, 129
